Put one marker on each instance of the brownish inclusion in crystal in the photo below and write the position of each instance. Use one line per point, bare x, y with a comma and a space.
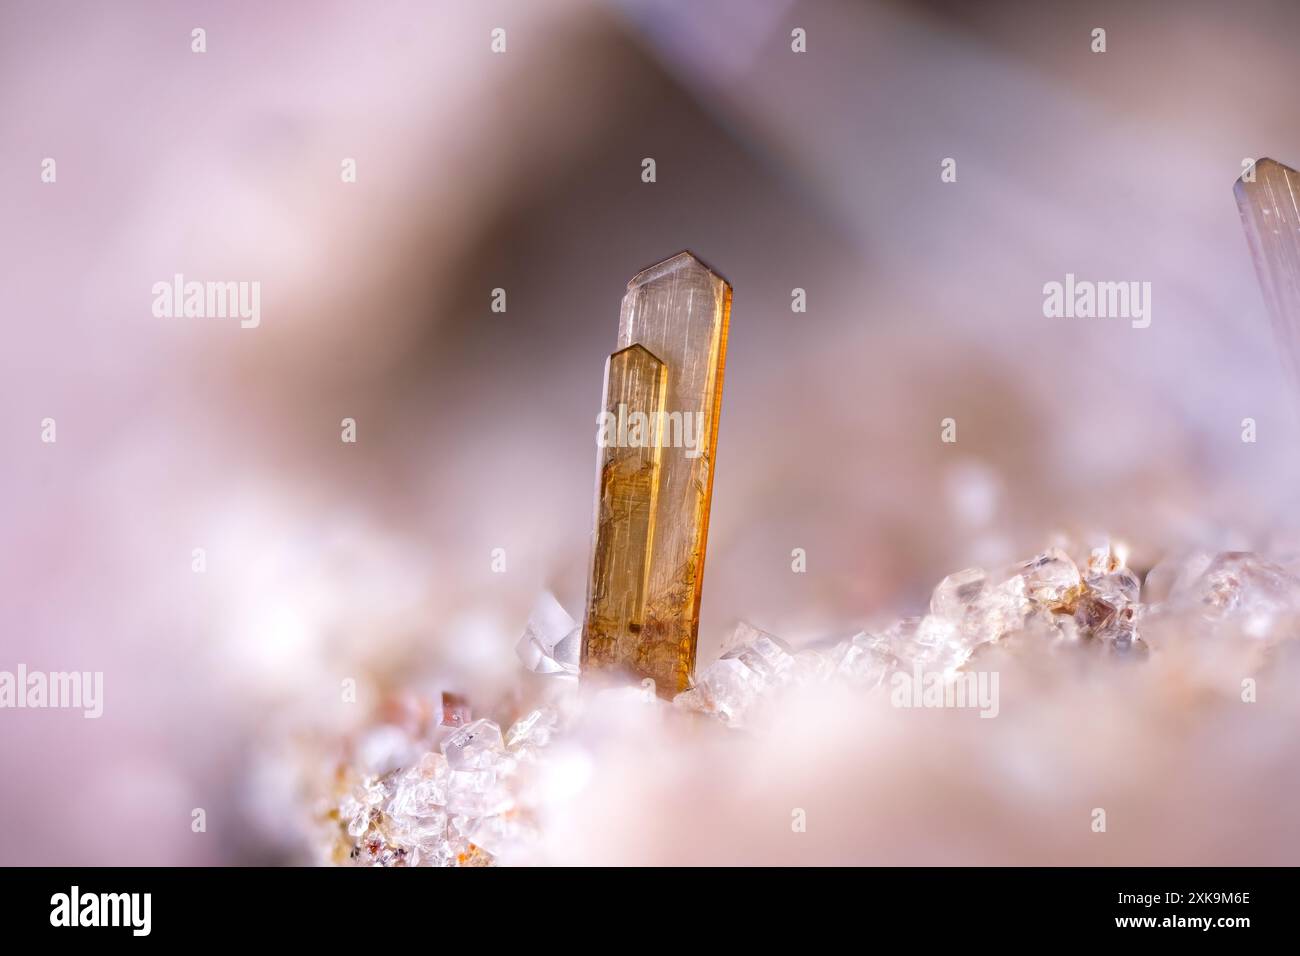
654, 483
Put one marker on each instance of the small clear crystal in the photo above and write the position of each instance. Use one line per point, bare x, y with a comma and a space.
958, 594
932, 642
532, 732
475, 746
766, 655
1241, 585
552, 639
421, 787
730, 687
476, 793
1051, 579
866, 660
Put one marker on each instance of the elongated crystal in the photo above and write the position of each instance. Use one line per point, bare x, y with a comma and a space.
1268, 197
652, 513
627, 489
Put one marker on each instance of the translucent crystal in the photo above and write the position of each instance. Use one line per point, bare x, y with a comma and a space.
695, 700
980, 611
551, 639
1175, 575
1108, 606
1238, 580
567, 652
765, 654
730, 688
422, 788
1051, 579
475, 746
1268, 198
1003, 608
532, 732
652, 517
476, 793
420, 815
432, 852
363, 806
628, 491
490, 836
958, 594
1244, 586
866, 660
1102, 559
416, 818
932, 642
462, 848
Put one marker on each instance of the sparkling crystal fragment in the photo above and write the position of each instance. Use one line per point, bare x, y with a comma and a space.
866, 660
957, 594
765, 654
1052, 580
655, 481
1243, 586
475, 746
1108, 607
1268, 198
550, 641
729, 688
932, 642
532, 732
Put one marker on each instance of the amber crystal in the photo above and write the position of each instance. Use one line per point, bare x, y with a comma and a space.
626, 493
1268, 197
655, 475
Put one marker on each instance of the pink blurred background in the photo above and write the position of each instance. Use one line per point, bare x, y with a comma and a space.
522, 171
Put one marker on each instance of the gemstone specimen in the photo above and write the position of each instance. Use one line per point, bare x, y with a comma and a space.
627, 492
1268, 197
655, 484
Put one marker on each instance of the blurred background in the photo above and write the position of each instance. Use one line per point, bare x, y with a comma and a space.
522, 171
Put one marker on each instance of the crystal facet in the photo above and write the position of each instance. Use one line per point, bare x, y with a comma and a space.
549, 644
932, 642
628, 490
475, 746
1241, 585
1052, 579
652, 503
866, 660
730, 688
1268, 197
765, 654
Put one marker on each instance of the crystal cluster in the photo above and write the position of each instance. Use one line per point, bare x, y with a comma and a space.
1049, 600
477, 794
457, 806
